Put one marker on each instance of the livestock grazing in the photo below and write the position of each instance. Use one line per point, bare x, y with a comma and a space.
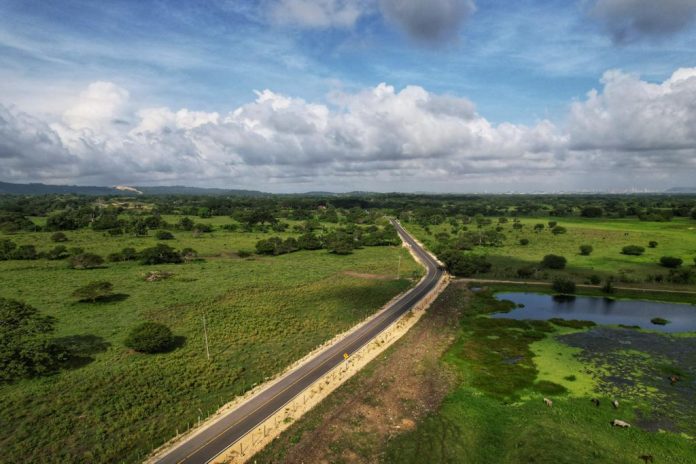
620, 423
615, 403
646, 458
674, 379
595, 401
548, 402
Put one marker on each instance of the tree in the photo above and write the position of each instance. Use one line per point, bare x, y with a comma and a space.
85, 261
671, 262
586, 250
563, 286
164, 235
524, 241
538, 227
58, 252
160, 254
340, 243
633, 250
552, 224
465, 264
309, 241
59, 237
94, 291
24, 252
608, 286
25, 347
652, 244
591, 212
7, 248
185, 223
554, 262
150, 337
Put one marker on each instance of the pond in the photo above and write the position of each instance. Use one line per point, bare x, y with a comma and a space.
603, 311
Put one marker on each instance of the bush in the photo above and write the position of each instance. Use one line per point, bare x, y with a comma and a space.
524, 241
309, 241
652, 244
59, 237
244, 253
563, 286
558, 230
86, 261
595, 279
586, 250
465, 264
671, 262
164, 235
58, 252
526, 272
24, 252
554, 262
633, 250
94, 291
150, 337
160, 254
7, 247
608, 287
25, 349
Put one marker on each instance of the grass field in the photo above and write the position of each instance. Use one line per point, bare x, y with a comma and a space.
506, 367
262, 313
607, 237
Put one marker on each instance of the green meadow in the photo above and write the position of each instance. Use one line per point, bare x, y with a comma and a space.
262, 313
607, 237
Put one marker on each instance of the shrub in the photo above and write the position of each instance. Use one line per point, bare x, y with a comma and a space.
244, 253
25, 349
586, 250
465, 264
129, 254
7, 247
608, 287
595, 279
633, 250
652, 244
517, 225
164, 235
526, 272
160, 254
558, 230
554, 262
201, 228
524, 241
24, 252
150, 337
552, 224
86, 261
58, 252
671, 262
309, 241
681, 276
94, 291
563, 286
59, 237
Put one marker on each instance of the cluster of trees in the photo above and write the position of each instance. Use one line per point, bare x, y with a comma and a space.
342, 240
28, 348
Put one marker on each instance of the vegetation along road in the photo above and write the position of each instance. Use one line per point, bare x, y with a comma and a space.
206, 445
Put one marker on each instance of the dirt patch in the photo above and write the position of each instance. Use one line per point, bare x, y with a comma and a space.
355, 424
364, 275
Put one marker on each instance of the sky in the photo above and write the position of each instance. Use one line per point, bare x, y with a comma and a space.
344, 95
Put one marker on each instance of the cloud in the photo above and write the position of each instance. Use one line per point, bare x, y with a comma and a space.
630, 20
432, 21
318, 14
409, 138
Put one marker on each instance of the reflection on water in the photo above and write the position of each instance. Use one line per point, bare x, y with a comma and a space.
604, 311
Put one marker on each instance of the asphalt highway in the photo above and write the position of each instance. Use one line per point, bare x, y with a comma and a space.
214, 440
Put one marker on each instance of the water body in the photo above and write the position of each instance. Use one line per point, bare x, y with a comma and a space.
603, 311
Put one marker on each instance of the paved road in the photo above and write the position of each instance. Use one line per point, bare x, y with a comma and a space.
205, 446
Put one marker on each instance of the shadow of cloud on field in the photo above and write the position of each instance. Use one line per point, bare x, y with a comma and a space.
80, 349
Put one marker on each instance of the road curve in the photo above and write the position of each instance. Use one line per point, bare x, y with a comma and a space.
208, 444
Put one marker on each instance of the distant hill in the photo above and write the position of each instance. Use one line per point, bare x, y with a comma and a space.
7, 188
681, 190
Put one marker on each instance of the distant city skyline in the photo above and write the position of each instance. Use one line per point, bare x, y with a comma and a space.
342, 95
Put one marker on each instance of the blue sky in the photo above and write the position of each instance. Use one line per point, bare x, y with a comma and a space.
519, 63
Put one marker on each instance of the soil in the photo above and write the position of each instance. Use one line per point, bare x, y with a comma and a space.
364, 275
355, 424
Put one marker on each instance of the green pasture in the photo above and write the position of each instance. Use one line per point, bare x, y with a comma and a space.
607, 237
262, 313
